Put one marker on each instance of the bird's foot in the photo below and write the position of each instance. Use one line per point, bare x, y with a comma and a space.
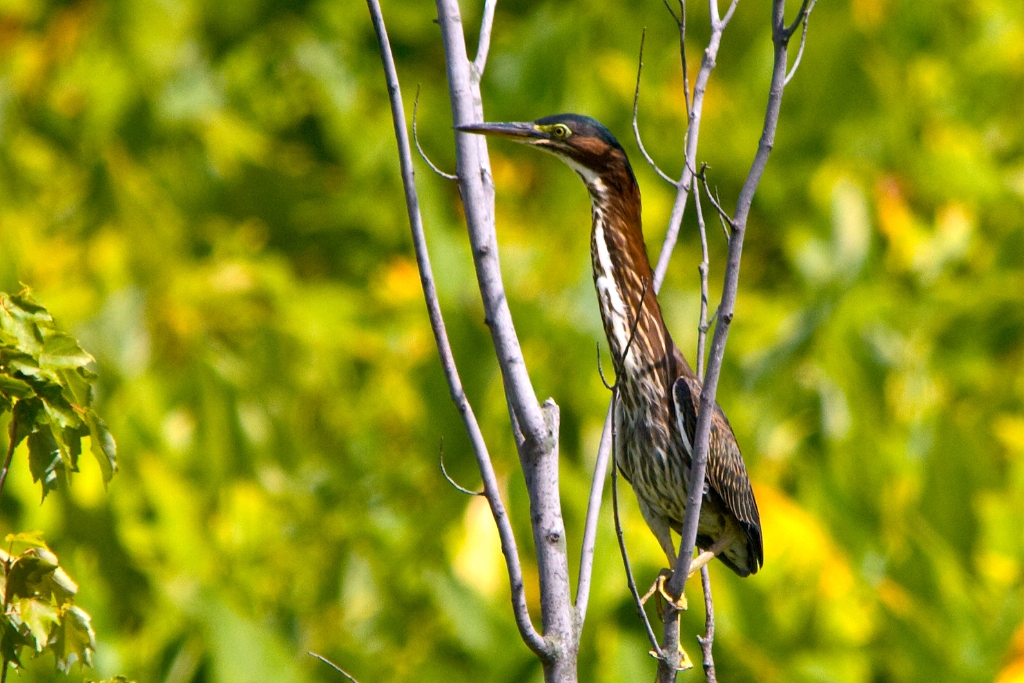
685, 662
660, 589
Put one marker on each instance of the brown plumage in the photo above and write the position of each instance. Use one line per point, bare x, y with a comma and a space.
658, 391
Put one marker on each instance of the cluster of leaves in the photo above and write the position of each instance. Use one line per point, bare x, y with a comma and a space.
39, 610
45, 384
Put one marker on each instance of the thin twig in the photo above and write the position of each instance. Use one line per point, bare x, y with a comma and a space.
672, 11
708, 640
702, 325
695, 484
484, 44
693, 120
723, 215
636, 322
625, 559
458, 394
452, 481
791, 29
333, 666
593, 514
636, 126
600, 371
803, 42
12, 433
729, 12
416, 139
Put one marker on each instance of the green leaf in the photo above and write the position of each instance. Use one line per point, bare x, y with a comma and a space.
44, 458
12, 386
26, 414
40, 617
25, 364
74, 639
11, 638
20, 326
72, 438
23, 306
30, 538
58, 408
78, 382
61, 350
61, 586
30, 574
103, 446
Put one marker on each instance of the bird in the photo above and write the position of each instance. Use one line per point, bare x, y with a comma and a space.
655, 415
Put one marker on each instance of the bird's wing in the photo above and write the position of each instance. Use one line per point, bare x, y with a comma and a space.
726, 474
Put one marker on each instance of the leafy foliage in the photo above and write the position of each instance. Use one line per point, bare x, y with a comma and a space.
38, 608
45, 384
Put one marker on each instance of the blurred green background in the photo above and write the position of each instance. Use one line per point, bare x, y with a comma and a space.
207, 195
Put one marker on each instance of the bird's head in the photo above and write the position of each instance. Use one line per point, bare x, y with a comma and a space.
582, 142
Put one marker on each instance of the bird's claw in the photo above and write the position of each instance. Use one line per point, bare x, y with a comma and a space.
660, 588
685, 663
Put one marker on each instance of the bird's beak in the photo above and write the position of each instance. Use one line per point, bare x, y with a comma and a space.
520, 132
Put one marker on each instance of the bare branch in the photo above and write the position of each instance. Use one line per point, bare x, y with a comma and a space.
636, 126
484, 44
625, 561
636, 322
702, 326
692, 136
416, 139
800, 15
708, 640
716, 202
673, 12
723, 217
452, 481
593, 513
477, 190
682, 55
508, 542
729, 12
538, 449
695, 484
333, 666
803, 42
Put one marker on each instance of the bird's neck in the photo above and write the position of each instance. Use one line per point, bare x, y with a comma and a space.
623, 276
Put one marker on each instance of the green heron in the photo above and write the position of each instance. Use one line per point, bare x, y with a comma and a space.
656, 413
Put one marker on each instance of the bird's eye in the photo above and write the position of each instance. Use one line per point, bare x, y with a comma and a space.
561, 131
